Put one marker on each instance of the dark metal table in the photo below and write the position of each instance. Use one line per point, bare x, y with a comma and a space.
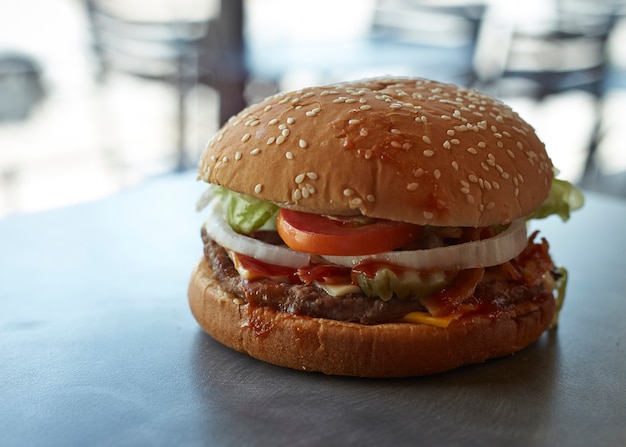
97, 347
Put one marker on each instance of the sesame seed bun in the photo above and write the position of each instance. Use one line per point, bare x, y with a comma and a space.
404, 149
343, 348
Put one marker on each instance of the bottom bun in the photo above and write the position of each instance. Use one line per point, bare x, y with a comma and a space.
352, 349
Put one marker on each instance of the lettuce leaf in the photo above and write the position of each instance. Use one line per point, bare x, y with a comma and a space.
246, 214
562, 200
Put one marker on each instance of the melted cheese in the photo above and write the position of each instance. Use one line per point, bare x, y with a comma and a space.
339, 289
426, 318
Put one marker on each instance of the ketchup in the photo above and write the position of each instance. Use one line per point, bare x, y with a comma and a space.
325, 273
260, 269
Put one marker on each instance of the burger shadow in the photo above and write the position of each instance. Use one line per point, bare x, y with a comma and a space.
502, 398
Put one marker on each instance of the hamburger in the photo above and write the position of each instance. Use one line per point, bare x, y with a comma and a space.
377, 228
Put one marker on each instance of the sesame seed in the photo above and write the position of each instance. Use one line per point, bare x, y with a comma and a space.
348, 192
270, 140
352, 122
258, 188
455, 141
280, 140
472, 178
395, 132
428, 153
303, 144
290, 120
237, 155
272, 121
255, 151
472, 150
365, 107
370, 198
445, 117
437, 173
312, 175
285, 132
297, 194
299, 178
510, 152
469, 198
245, 138
305, 192
289, 155
446, 144
425, 139
356, 202
450, 132
412, 186
428, 215
455, 165
268, 108
465, 190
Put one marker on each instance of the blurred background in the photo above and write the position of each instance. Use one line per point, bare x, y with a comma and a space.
99, 95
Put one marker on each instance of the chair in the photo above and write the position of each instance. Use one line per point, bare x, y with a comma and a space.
178, 42
547, 48
439, 36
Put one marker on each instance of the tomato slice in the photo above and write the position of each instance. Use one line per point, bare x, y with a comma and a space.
343, 236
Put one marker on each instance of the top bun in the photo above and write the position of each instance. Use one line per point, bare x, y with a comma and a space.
404, 149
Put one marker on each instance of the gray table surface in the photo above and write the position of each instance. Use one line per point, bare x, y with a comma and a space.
97, 347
